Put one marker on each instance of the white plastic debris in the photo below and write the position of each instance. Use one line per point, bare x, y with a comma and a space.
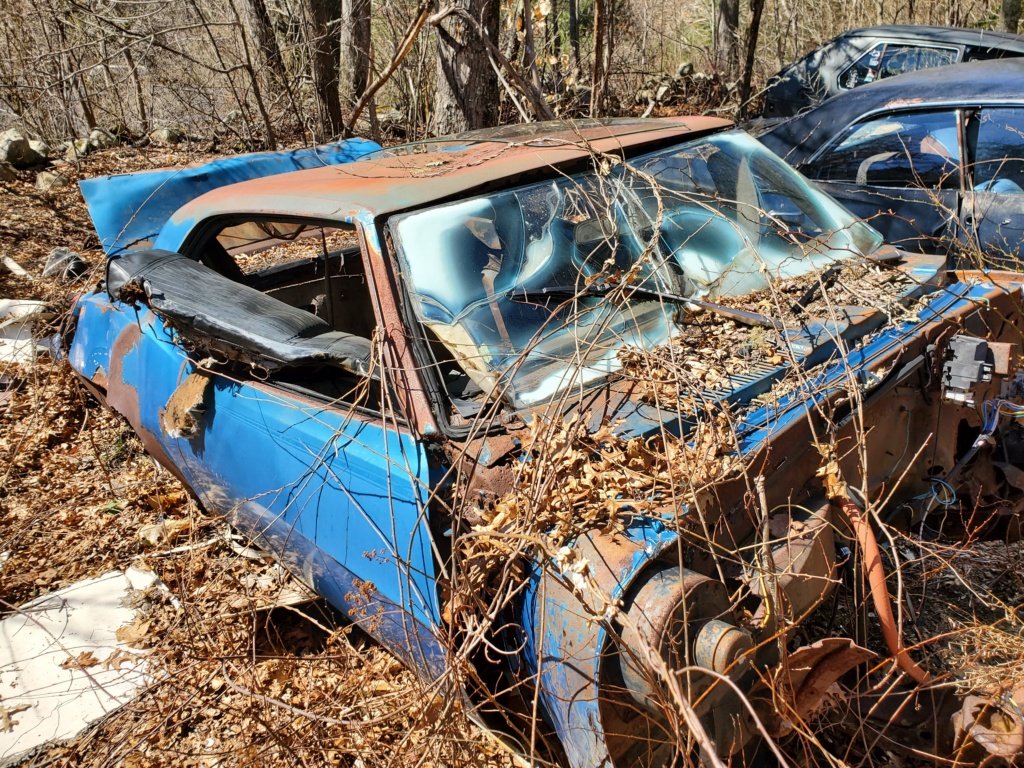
17, 317
61, 664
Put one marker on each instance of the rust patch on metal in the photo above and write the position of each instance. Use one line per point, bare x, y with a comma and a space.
812, 669
904, 102
399, 358
123, 397
1003, 354
99, 378
369, 186
183, 414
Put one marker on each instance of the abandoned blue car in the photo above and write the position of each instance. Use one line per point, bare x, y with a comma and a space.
582, 421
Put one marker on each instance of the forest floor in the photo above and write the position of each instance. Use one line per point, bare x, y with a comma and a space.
233, 680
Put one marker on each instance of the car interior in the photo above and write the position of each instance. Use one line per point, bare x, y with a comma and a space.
286, 301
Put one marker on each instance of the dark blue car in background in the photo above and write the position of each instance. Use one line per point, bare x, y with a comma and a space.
862, 56
934, 159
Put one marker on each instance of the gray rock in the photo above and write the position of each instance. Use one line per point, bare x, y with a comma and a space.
7, 172
166, 136
77, 149
100, 138
40, 147
64, 263
16, 150
48, 180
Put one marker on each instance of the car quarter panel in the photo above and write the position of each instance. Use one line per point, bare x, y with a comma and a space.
130, 210
337, 495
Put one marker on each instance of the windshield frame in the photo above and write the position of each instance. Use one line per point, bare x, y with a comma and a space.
574, 382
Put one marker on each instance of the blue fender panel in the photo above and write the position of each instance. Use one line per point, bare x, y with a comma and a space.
564, 641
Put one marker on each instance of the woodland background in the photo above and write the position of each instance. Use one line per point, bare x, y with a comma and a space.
253, 74
237, 681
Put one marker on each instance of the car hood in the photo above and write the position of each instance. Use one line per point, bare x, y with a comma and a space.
622, 401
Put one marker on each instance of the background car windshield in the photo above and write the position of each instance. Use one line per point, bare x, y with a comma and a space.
712, 218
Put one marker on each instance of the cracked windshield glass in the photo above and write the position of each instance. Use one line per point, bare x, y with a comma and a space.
538, 288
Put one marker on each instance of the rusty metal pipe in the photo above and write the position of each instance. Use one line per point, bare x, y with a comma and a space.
875, 572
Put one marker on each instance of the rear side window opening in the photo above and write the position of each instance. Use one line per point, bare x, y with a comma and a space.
314, 266
311, 265
891, 58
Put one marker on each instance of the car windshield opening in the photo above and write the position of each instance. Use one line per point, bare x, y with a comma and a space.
714, 218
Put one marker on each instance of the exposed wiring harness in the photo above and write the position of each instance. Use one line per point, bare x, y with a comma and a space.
991, 410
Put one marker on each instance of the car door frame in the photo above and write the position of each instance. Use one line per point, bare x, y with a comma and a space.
978, 207
138, 364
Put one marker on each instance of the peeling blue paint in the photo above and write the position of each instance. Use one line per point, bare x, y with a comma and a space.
339, 498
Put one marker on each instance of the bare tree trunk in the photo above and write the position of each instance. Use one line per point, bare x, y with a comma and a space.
604, 21
553, 44
404, 46
756, 9
501, 66
324, 58
137, 82
271, 59
953, 15
250, 68
467, 86
81, 88
355, 49
727, 38
574, 37
530, 46
1011, 15
115, 93
515, 23
71, 72
263, 31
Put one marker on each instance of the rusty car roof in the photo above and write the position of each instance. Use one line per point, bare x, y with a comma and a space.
391, 181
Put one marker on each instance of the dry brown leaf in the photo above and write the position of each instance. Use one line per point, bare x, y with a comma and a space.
81, 661
163, 532
133, 633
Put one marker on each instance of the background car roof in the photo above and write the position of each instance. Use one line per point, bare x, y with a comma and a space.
978, 82
952, 35
409, 176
